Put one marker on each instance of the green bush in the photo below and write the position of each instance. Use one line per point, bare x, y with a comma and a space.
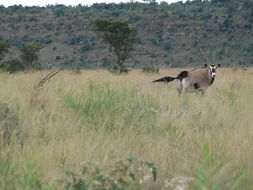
131, 175
247, 26
76, 70
12, 66
4, 48
85, 48
167, 46
115, 69
29, 55
150, 69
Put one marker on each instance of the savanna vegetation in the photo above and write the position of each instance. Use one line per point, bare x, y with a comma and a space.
168, 35
95, 130
92, 130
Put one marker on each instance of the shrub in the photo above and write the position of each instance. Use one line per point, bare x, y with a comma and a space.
150, 69
76, 70
132, 175
115, 69
167, 46
46, 41
85, 48
29, 55
225, 25
106, 62
247, 26
12, 66
4, 46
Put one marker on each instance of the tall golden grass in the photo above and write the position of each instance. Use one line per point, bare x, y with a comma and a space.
159, 126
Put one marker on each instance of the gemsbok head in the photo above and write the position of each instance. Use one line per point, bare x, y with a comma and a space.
196, 80
46, 78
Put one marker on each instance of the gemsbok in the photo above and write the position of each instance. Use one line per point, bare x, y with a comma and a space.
196, 80
46, 78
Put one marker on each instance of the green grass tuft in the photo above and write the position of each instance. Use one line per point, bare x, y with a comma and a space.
101, 106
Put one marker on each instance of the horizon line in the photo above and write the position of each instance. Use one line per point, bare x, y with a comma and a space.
88, 5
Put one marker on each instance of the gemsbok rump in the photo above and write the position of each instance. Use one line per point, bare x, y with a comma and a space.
196, 80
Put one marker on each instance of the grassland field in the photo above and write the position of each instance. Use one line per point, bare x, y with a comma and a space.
206, 141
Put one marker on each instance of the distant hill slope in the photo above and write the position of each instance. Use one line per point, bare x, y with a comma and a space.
176, 35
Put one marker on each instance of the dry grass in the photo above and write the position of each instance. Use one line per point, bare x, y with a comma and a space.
171, 134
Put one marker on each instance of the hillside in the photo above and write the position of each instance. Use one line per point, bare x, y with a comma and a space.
169, 35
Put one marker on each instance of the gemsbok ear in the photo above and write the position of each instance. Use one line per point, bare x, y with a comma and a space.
218, 65
205, 65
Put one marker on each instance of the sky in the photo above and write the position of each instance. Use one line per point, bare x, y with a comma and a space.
7, 3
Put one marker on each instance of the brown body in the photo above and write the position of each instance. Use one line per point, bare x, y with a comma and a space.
197, 80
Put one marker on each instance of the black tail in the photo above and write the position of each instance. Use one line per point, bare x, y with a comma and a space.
180, 76
165, 79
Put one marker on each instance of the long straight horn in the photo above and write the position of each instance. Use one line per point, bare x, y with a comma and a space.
46, 78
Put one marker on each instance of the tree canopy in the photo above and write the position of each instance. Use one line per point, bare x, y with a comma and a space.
3, 49
29, 55
119, 35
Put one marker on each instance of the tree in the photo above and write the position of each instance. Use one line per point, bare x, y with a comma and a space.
3, 49
118, 35
12, 66
29, 55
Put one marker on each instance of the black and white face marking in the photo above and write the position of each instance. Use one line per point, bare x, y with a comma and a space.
213, 69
